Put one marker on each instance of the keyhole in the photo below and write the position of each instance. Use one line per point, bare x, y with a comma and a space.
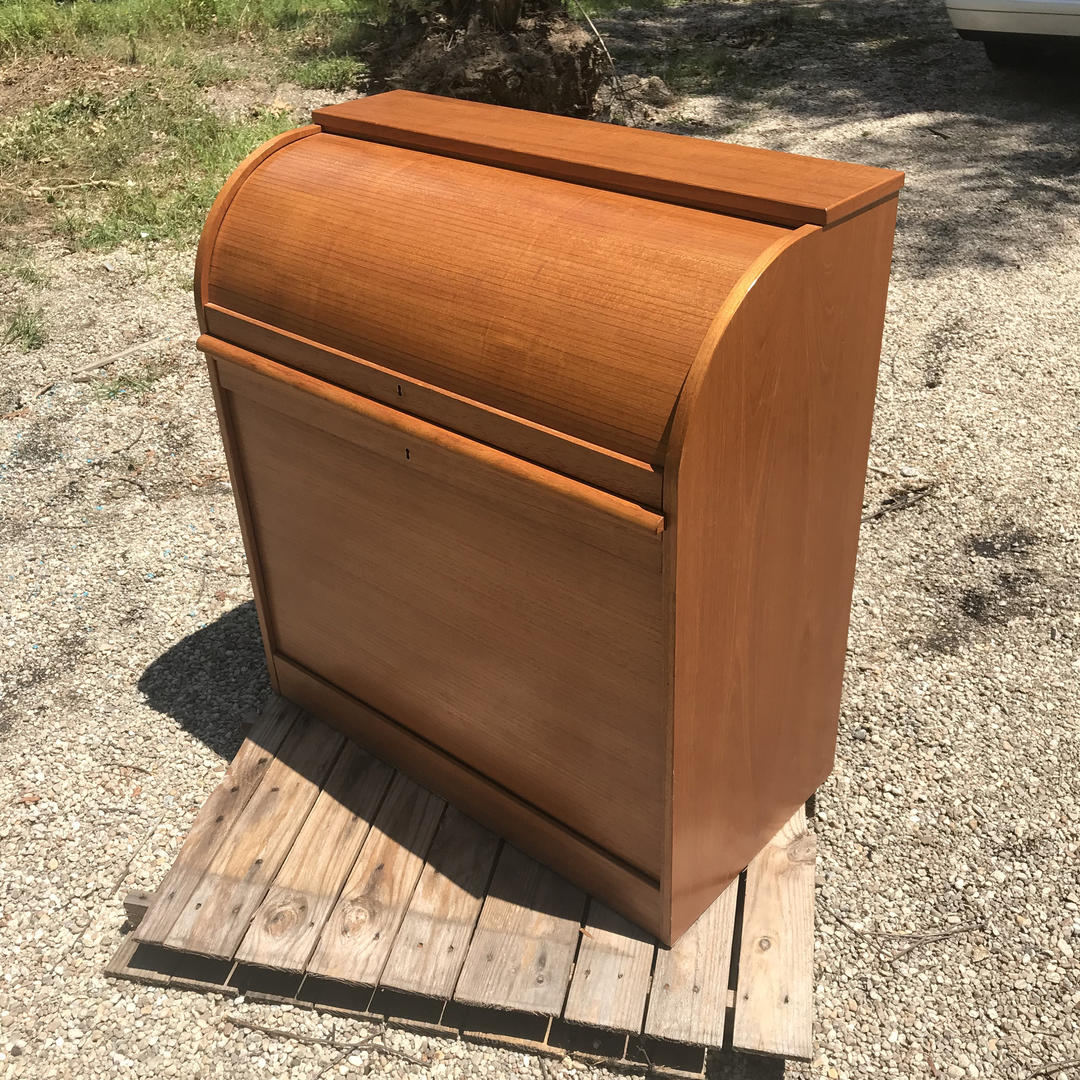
408, 456
400, 393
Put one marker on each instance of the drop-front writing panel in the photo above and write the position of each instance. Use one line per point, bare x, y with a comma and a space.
513, 625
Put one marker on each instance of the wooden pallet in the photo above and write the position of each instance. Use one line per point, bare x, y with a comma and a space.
318, 875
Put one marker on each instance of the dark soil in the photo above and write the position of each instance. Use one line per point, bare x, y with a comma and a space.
547, 63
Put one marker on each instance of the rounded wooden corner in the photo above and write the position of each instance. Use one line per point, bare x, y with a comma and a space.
686, 405
221, 205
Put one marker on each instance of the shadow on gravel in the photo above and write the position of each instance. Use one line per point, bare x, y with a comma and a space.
212, 679
887, 84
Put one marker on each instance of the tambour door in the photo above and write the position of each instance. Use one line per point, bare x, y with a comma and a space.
509, 615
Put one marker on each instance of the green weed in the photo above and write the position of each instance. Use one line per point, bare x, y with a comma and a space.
144, 165
336, 73
213, 71
28, 25
25, 328
137, 382
17, 262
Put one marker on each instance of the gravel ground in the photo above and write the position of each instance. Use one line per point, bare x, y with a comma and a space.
948, 915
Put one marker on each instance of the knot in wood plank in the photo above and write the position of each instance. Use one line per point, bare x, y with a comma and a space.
280, 919
357, 914
803, 849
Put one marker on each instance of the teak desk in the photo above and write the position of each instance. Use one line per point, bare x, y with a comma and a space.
548, 439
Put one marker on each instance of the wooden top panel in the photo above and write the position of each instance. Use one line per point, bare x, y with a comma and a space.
575, 308
785, 188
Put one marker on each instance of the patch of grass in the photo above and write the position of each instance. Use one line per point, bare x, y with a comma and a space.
144, 165
213, 71
29, 25
137, 382
607, 7
25, 328
697, 67
17, 262
327, 72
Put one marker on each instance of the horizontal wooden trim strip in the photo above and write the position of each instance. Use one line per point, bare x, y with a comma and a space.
386, 431
584, 461
621, 886
784, 189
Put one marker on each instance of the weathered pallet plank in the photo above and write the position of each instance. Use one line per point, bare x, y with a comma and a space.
688, 1002
135, 904
286, 928
409, 903
119, 967
359, 933
611, 975
216, 819
433, 940
774, 997
525, 939
216, 916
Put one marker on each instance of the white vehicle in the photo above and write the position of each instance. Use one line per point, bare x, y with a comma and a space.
1014, 30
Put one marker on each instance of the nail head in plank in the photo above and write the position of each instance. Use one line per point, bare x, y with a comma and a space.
774, 999
286, 928
689, 995
219, 910
525, 939
611, 975
432, 943
358, 936
216, 819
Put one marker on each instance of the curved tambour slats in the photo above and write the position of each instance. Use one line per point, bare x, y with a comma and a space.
575, 308
222, 203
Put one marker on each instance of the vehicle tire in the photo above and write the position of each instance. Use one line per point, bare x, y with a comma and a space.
1010, 50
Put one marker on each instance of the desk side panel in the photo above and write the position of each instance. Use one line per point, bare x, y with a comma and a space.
766, 480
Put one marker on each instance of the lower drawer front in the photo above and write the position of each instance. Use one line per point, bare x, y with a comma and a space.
512, 625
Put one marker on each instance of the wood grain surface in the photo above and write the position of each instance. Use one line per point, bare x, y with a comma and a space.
584, 461
359, 933
381, 566
418, 275
690, 979
215, 820
285, 929
611, 973
387, 432
525, 939
774, 1000
786, 188
235, 880
768, 449
629, 891
221, 205
434, 938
